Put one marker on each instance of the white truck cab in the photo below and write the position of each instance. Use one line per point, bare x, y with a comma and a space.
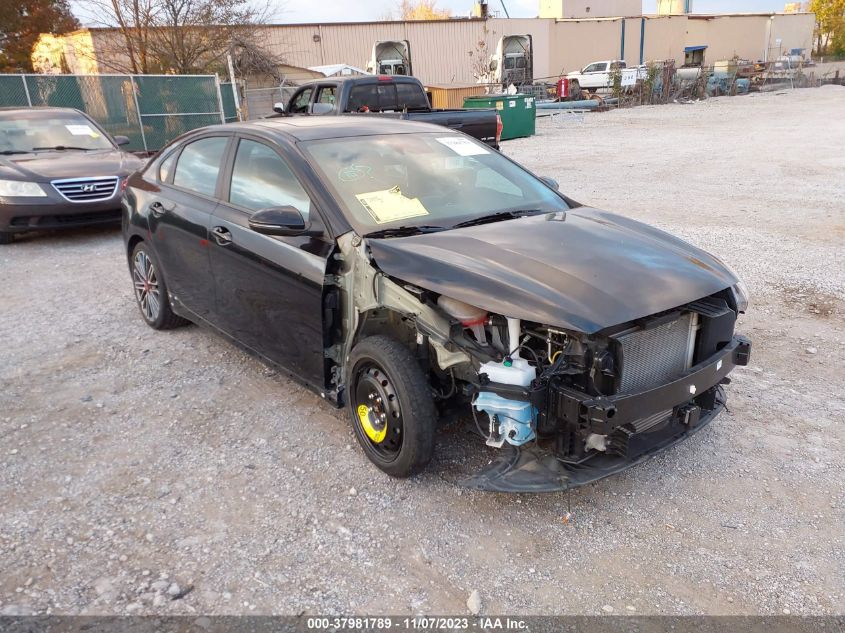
597, 75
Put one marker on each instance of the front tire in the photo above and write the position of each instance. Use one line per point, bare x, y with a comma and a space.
391, 406
6, 238
151, 291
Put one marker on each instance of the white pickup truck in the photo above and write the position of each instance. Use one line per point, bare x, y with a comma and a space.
597, 76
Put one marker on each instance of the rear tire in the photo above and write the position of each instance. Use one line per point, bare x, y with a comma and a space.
6, 238
151, 291
391, 406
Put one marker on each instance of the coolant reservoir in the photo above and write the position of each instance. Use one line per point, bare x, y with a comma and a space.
470, 317
518, 373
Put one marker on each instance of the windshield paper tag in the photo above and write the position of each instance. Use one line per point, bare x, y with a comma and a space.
390, 205
82, 130
462, 146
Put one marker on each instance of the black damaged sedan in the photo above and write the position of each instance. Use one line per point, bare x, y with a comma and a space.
413, 275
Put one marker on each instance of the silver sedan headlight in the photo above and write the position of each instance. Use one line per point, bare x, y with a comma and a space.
20, 189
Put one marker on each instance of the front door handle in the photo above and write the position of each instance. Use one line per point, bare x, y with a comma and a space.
158, 209
222, 235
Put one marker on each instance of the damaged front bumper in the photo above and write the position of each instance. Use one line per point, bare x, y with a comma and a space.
674, 411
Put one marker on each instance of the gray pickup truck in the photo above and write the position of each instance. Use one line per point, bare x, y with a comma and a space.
396, 96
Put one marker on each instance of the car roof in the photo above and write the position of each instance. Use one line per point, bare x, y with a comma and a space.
24, 111
309, 128
364, 78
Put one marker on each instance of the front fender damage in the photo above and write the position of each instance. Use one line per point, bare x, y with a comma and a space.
365, 289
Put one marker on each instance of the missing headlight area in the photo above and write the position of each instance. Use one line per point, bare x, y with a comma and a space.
562, 407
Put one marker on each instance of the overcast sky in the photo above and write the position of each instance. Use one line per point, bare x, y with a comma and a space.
344, 10
349, 11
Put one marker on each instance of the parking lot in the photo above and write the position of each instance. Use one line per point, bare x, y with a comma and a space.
168, 472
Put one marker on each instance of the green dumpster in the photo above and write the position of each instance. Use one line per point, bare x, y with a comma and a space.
517, 112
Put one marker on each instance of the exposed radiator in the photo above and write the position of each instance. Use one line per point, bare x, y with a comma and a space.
657, 355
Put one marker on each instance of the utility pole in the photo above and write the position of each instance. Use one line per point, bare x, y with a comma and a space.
234, 86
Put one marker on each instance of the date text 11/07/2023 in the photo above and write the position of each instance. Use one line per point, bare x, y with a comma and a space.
418, 623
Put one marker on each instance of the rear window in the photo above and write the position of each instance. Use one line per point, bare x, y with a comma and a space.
386, 96
411, 96
372, 97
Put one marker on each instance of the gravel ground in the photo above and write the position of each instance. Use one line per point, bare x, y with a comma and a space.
136, 466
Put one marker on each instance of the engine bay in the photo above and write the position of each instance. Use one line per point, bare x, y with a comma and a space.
569, 405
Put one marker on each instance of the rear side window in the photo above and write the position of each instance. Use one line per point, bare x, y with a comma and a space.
261, 179
165, 168
199, 165
326, 94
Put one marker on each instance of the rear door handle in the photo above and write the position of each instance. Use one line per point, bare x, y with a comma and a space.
158, 209
222, 236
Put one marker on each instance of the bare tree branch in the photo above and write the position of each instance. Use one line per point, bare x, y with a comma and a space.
183, 36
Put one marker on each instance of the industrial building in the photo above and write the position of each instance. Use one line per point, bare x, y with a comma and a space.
566, 36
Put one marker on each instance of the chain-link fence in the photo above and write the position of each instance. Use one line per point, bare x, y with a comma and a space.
256, 103
151, 110
662, 82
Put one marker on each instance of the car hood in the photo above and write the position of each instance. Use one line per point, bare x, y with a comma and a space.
44, 166
584, 270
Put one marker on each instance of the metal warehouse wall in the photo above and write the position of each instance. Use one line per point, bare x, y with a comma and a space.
440, 50
753, 37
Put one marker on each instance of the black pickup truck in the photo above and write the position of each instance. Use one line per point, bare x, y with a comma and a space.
397, 96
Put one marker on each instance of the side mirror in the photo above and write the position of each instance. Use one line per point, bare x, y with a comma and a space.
121, 140
551, 182
286, 220
494, 64
279, 107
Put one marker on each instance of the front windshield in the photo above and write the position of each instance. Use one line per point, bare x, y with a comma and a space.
35, 130
433, 180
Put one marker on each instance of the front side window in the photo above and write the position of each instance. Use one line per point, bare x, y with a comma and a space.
595, 68
301, 101
261, 179
435, 179
199, 165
